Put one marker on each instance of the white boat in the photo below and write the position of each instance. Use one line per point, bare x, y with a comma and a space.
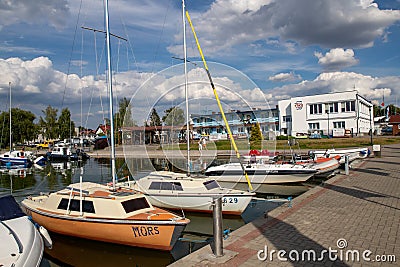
260, 173
21, 243
106, 213
324, 166
353, 153
62, 151
17, 157
178, 191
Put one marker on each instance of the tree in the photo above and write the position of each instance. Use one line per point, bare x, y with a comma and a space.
22, 126
49, 127
66, 126
174, 116
154, 118
255, 133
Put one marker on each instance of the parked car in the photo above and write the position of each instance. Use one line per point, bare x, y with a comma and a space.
45, 145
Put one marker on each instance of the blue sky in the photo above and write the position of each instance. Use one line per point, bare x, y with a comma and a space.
262, 49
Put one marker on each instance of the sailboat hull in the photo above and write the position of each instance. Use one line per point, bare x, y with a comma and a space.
147, 234
231, 204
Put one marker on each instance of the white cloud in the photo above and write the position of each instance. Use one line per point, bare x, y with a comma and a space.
336, 59
339, 23
370, 87
36, 85
285, 77
49, 12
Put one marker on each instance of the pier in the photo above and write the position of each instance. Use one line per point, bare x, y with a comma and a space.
349, 220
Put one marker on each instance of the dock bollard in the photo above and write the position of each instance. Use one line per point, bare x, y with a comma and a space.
217, 227
346, 164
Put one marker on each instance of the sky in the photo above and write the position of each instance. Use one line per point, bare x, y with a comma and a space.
258, 52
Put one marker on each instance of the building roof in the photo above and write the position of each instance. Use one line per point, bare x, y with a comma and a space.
394, 119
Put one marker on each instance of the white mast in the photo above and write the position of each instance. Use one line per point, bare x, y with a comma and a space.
113, 169
186, 88
9, 84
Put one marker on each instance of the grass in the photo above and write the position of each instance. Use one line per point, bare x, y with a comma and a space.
243, 144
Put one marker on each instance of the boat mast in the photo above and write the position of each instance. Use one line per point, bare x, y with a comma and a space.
186, 88
218, 102
9, 85
110, 94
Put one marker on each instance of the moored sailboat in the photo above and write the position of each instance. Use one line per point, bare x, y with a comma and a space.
106, 213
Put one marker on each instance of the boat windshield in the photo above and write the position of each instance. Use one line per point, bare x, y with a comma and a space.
166, 186
211, 184
135, 204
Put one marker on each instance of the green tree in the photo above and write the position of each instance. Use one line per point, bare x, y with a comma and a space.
174, 116
66, 126
154, 118
48, 124
255, 134
23, 127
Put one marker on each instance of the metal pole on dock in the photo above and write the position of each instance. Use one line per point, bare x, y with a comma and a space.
217, 227
346, 165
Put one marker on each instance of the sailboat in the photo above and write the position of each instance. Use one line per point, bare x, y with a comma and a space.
106, 213
15, 157
181, 191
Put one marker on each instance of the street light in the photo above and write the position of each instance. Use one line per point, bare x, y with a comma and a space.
370, 123
327, 112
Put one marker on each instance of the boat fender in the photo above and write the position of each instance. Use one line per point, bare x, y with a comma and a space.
226, 233
48, 242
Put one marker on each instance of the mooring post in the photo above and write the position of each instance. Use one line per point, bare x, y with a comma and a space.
346, 165
217, 227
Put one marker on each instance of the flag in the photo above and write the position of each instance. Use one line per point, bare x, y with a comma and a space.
383, 104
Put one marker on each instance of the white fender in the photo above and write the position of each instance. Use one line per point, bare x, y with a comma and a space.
46, 237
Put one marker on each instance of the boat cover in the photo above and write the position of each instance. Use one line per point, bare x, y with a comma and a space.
9, 208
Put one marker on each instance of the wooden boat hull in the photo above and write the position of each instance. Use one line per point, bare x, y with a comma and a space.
157, 235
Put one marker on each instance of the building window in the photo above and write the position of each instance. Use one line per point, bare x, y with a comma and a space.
339, 124
316, 109
349, 106
333, 107
313, 126
287, 118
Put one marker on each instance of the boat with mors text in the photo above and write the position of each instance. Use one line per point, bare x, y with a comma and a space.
93, 211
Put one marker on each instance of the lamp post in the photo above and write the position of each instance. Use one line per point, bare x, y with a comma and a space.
327, 112
370, 123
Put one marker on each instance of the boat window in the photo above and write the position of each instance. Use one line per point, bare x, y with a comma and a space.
211, 184
166, 186
135, 204
87, 206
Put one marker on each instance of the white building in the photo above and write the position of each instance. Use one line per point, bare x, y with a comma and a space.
335, 114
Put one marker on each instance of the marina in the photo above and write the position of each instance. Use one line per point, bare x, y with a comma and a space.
356, 212
295, 168
72, 251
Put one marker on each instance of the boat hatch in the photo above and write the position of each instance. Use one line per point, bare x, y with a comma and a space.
123, 194
135, 204
176, 186
211, 184
87, 206
85, 192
